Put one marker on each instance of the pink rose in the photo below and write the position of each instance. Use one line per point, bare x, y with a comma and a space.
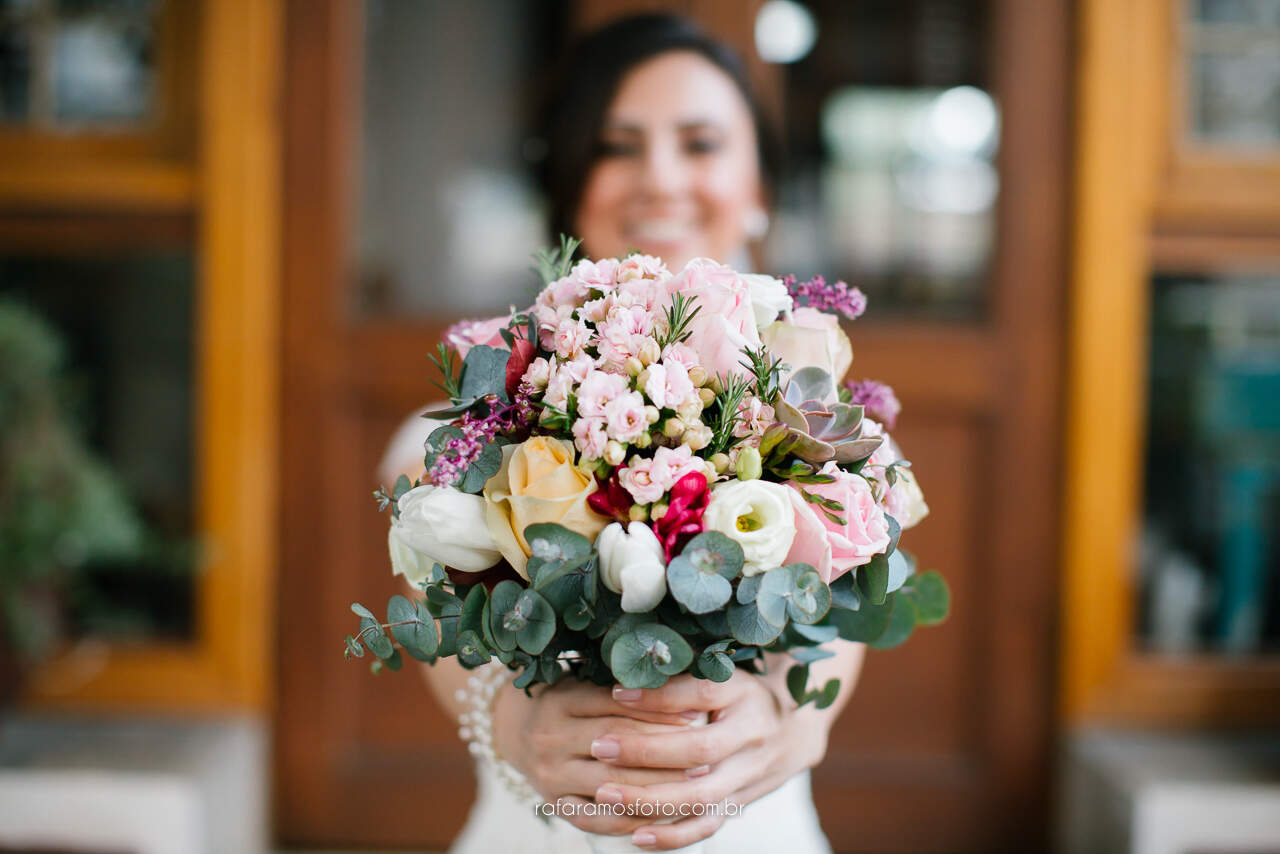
811, 544
599, 275
465, 334
725, 323
862, 531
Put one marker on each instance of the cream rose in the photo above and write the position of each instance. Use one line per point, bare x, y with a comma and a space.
758, 516
440, 524
812, 339
538, 482
632, 564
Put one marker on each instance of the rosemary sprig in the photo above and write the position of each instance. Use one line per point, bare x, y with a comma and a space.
680, 314
447, 363
767, 370
733, 391
556, 262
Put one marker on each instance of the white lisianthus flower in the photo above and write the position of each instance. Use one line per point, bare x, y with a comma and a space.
769, 297
632, 564
758, 516
440, 524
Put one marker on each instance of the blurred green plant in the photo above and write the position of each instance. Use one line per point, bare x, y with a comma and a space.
61, 505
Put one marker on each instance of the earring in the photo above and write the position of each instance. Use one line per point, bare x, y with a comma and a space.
755, 223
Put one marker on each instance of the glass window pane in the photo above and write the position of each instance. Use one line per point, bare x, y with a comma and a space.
121, 407
449, 211
1211, 546
1232, 65
103, 61
891, 135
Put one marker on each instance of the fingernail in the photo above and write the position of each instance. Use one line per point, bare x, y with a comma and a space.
644, 839
606, 748
626, 695
608, 795
691, 714
699, 771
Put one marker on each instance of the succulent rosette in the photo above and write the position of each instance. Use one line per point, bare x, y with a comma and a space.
648, 473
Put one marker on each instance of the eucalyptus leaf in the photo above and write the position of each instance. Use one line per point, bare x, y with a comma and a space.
902, 622
809, 598
417, 636
471, 650
484, 372
472, 615
749, 626
844, 593
775, 589
712, 551
393, 661
873, 579
646, 656
815, 634
538, 619
482, 468
810, 654
700, 587
865, 624
929, 594
797, 680
714, 662
749, 588
502, 624
899, 570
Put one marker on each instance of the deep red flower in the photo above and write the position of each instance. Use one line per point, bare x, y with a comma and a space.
683, 519
522, 353
611, 500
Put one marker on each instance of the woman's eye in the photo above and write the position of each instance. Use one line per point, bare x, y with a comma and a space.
702, 146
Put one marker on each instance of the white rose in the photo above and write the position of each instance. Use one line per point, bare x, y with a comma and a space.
769, 297
440, 524
632, 564
757, 515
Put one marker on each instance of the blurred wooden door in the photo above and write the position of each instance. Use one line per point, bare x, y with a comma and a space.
946, 745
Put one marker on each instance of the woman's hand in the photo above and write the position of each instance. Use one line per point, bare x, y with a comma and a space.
755, 741
553, 738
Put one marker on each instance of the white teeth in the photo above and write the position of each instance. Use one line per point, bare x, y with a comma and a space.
660, 231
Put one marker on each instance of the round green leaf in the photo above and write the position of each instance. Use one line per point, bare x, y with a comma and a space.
712, 551
749, 588
503, 624
902, 622
714, 662
929, 594
865, 624
539, 622
471, 650
810, 598
775, 589
749, 626
418, 637
645, 657
700, 586
899, 569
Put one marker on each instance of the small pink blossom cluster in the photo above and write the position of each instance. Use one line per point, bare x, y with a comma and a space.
836, 298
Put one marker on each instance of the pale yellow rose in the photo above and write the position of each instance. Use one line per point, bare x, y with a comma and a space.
812, 339
538, 482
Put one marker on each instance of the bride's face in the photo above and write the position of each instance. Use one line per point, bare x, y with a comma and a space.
677, 172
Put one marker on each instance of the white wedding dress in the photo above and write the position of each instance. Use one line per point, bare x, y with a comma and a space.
782, 821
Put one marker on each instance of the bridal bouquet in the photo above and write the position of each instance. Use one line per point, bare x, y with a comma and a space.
647, 474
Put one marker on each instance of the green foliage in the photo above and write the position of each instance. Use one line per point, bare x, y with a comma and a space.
646, 656
679, 315
556, 262
699, 577
446, 361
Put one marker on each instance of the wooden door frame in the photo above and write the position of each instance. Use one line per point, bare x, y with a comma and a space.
1020, 399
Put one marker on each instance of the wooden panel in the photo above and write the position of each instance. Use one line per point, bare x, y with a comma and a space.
237, 322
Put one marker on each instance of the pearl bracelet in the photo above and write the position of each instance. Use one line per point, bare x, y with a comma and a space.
476, 728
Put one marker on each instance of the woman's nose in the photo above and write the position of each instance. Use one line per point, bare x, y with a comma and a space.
666, 172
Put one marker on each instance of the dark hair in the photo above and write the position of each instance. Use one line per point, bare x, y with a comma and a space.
587, 82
